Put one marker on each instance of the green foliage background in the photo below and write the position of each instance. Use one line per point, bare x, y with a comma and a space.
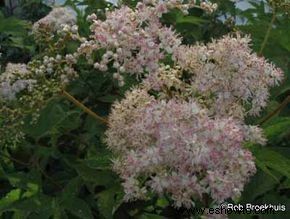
62, 169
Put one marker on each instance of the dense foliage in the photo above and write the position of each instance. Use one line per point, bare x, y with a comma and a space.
78, 108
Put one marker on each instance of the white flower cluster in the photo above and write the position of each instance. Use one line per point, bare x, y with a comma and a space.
208, 7
14, 80
56, 20
59, 66
227, 71
19, 77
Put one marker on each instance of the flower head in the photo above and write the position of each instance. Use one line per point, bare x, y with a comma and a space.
229, 72
55, 20
177, 149
14, 80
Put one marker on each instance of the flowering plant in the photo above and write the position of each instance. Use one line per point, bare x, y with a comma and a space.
176, 121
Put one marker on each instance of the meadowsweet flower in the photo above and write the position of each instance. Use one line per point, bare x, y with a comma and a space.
131, 37
208, 7
181, 131
58, 67
135, 37
14, 80
15, 68
229, 71
123, 115
56, 20
178, 150
254, 134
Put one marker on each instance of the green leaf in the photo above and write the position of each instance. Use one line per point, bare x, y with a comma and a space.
162, 202
100, 162
109, 98
283, 37
101, 178
264, 167
269, 159
53, 120
51, 115
21, 215
260, 184
29, 182
9, 199
275, 199
93, 129
150, 216
105, 203
72, 188
32, 190
37, 204
58, 212
190, 20
78, 207
13, 25
109, 200
277, 128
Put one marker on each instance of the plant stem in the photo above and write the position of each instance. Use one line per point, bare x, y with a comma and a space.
47, 176
268, 32
14, 159
278, 109
84, 108
29, 164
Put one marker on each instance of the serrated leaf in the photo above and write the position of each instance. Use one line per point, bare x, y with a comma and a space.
102, 178
53, 120
49, 117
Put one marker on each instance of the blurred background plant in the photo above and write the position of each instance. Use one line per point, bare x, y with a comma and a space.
62, 168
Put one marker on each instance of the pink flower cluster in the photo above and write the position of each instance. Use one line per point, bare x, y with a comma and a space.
228, 70
173, 147
186, 140
134, 39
